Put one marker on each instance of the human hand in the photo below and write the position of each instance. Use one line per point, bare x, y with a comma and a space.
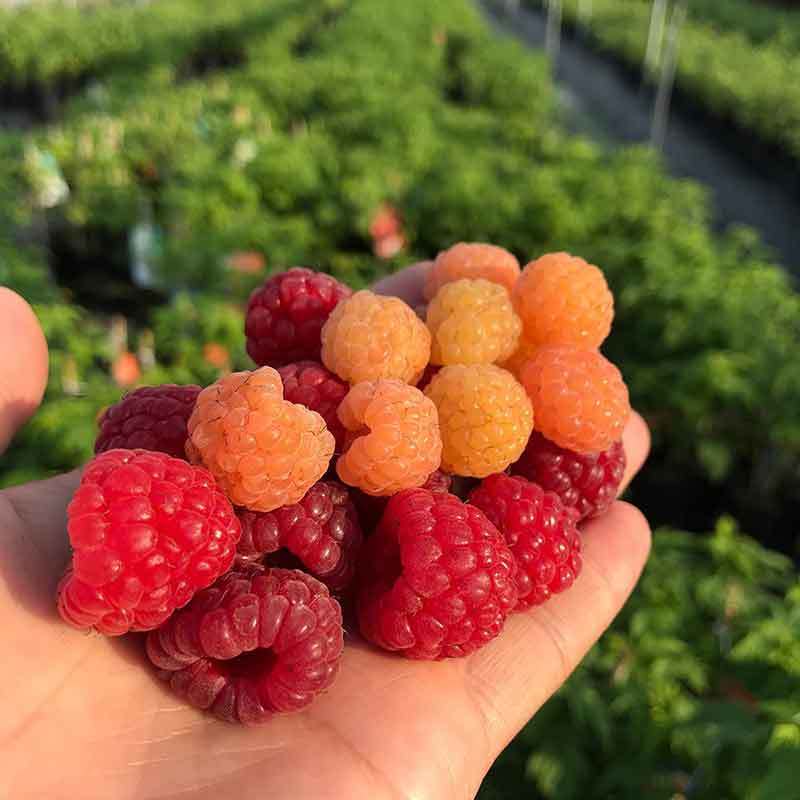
85, 717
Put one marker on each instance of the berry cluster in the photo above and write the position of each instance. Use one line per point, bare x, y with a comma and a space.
431, 467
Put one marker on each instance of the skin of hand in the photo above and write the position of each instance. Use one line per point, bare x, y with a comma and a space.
84, 717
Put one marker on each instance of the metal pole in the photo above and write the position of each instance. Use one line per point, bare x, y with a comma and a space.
552, 38
666, 79
655, 39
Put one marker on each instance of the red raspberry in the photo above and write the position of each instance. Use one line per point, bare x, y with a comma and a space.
311, 385
540, 530
371, 507
259, 641
147, 532
587, 483
322, 530
285, 316
150, 418
436, 578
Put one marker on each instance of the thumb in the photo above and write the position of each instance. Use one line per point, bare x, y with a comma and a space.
23, 364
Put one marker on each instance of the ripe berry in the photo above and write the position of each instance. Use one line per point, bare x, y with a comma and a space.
472, 260
564, 301
436, 580
150, 418
369, 337
539, 529
147, 532
485, 418
259, 641
587, 483
311, 385
472, 322
286, 314
579, 398
265, 451
393, 440
322, 531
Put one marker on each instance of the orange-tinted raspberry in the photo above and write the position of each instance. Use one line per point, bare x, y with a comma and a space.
563, 300
579, 398
394, 433
485, 418
472, 322
472, 260
263, 450
369, 337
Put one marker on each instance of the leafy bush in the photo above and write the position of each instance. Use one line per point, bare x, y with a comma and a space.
694, 691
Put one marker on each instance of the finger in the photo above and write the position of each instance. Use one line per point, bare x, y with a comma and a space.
406, 284
516, 673
636, 441
23, 364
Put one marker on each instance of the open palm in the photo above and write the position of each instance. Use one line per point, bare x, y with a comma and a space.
84, 717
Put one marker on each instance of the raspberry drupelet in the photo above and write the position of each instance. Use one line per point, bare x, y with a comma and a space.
286, 314
322, 531
393, 440
436, 579
472, 260
485, 418
586, 482
311, 385
147, 531
149, 418
540, 530
258, 642
472, 322
563, 300
265, 451
579, 398
370, 337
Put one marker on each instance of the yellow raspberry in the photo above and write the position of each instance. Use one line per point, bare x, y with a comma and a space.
394, 434
472, 322
472, 260
264, 451
369, 337
579, 397
563, 300
485, 418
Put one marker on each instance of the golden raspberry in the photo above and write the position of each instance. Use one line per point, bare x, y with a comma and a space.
264, 451
394, 434
579, 398
564, 300
472, 260
472, 322
485, 418
368, 337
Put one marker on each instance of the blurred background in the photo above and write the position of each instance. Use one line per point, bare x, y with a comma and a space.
160, 159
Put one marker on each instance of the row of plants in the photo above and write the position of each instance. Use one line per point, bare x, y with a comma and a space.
751, 84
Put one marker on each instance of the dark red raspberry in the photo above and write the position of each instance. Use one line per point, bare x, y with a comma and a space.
259, 641
436, 580
427, 376
540, 530
588, 483
311, 385
150, 418
285, 316
322, 531
147, 532
371, 507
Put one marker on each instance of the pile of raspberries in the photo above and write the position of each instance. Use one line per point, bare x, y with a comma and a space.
426, 470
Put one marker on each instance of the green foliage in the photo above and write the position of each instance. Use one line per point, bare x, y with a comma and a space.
694, 691
753, 83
